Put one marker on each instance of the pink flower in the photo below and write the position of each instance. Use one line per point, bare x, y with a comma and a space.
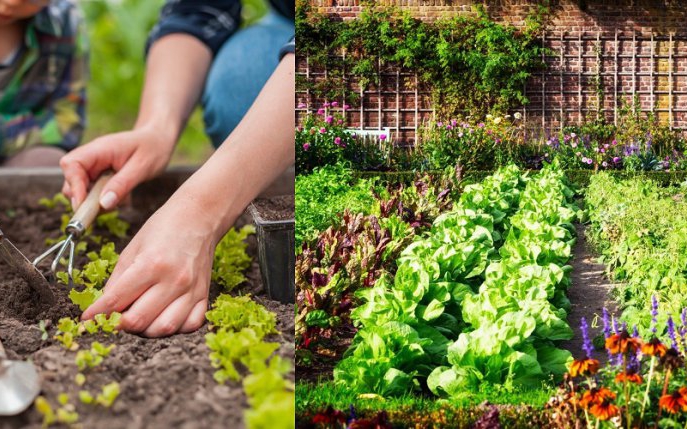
489, 132
326, 104
453, 122
335, 103
320, 111
497, 141
573, 135
481, 125
306, 146
301, 105
605, 164
337, 140
340, 121
616, 159
602, 150
460, 134
323, 130
606, 146
448, 127
573, 144
346, 107
589, 161
614, 142
382, 137
329, 119
440, 124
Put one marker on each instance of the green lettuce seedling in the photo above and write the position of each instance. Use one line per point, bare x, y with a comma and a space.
93, 357
231, 259
113, 223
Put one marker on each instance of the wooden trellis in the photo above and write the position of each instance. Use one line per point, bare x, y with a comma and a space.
588, 74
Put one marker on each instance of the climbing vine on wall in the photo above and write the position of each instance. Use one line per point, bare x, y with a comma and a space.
472, 65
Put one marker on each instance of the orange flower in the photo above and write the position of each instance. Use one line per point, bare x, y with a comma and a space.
584, 367
596, 396
622, 343
654, 348
674, 402
629, 376
604, 411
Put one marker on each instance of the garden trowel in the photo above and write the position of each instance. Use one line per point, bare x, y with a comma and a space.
28, 271
19, 385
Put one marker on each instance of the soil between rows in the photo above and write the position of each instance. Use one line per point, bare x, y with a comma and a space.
165, 383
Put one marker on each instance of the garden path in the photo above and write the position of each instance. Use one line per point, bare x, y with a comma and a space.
589, 293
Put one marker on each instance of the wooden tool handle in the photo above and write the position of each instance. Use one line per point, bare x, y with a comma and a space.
89, 209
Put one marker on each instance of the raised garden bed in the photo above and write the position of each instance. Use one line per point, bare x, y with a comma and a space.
164, 382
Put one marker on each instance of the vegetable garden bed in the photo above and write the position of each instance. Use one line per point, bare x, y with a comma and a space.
168, 382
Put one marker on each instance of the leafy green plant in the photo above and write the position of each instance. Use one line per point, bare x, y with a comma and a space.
93, 357
323, 194
231, 259
470, 302
64, 414
69, 329
92, 277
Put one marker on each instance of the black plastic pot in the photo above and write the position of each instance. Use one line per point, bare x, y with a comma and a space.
276, 256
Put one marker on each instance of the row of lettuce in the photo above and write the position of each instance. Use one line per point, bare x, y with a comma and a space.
477, 295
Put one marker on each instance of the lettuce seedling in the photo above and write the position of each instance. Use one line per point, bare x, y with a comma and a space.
236, 313
231, 259
108, 395
52, 203
113, 223
93, 357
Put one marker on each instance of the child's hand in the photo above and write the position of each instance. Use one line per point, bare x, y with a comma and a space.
135, 156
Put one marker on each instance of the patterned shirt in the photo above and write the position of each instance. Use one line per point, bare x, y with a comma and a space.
43, 90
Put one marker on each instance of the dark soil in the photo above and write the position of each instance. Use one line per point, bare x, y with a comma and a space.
277, 208
165, 383
589, 293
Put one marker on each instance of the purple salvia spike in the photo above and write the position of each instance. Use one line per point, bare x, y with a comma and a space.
607, 325
683, 319
586, 343
635, 331
671, 332
654, 313
615, 325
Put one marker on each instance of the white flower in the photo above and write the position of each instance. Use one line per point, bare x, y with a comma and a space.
489, 116
517, 115
497, 120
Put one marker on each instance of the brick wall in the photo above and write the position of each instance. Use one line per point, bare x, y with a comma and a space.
643, 53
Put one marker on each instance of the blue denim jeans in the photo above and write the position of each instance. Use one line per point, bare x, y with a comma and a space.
239, 71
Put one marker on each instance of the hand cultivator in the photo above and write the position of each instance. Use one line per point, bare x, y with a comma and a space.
78, 224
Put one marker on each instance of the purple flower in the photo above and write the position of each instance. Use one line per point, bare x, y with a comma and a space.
453, 122
481, 125
654, 313
335, 104
329, 119
586, 342
606, 322
448, 127
320, 111
382, 137
602, 150
671, 331
589, 161
616, 159
323, 130
440, 124
337, 140
306, 146
497, 141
